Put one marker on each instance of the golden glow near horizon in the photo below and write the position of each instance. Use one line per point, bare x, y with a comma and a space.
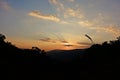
62, 45
59, 24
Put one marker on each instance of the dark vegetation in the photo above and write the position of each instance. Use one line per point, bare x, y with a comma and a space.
96, 63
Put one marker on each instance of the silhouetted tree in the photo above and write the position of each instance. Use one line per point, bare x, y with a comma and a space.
105, 43
36, 49
2, 37
118, 38
43, 52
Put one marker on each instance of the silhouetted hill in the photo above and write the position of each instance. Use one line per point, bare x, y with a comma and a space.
65, 55
94, 63
55, 51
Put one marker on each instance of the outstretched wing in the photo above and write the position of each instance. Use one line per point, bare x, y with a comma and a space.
89, 38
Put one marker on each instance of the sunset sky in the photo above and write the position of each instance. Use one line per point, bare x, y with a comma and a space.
59, 24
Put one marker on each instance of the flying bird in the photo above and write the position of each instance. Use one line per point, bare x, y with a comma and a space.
89, 38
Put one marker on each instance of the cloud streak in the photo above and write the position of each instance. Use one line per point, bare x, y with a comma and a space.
47, 40
113, 30
73, 13
67, 13
110, 29
68, 45
85, 23
63, 41
39, 15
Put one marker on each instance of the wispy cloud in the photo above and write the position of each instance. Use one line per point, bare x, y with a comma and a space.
73, 13
110, 29
58, 5
85, 23
99, 19
4, 5
113, 30
64, 22
66, 12
47, 40
98, 24
63, 41
68, 45
38, 14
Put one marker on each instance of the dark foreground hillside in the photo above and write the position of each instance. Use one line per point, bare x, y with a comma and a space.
95, 63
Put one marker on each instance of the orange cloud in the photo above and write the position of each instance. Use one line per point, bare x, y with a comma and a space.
111, 29
42, 16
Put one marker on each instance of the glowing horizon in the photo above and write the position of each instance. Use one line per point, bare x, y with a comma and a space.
59, 24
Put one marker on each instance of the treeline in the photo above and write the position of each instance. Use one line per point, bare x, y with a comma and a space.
102, 60
107, 52
98, 62
9, 53
97, 53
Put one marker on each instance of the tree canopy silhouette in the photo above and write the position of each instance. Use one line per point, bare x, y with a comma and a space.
2, 37
97, 62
